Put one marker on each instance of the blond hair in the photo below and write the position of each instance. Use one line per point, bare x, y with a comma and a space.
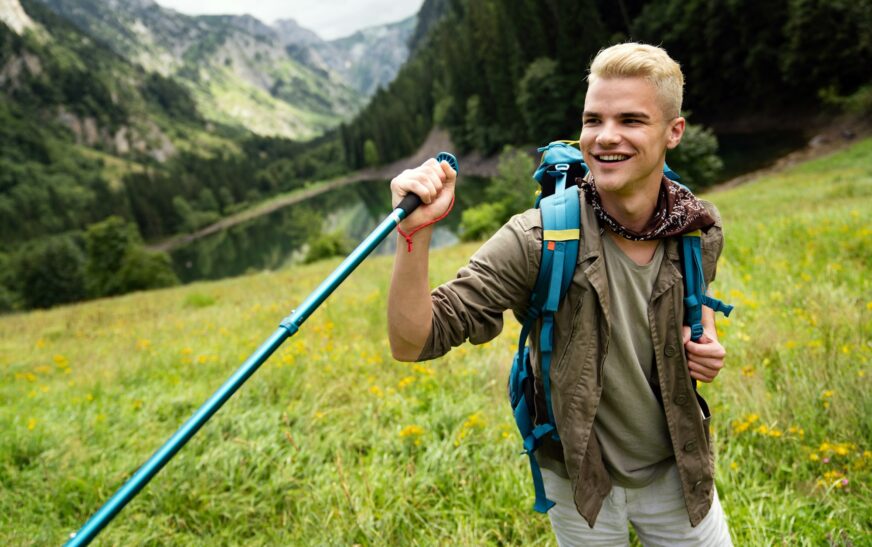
634, 60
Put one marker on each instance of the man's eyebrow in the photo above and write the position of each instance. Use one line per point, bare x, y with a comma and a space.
641, 115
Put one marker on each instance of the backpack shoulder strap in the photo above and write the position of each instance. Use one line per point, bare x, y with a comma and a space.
695, 287
561, 222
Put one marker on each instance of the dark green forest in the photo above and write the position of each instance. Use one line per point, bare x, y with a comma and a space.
492, 72
496, 72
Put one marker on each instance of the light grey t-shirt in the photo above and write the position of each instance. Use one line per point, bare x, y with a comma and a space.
630, 423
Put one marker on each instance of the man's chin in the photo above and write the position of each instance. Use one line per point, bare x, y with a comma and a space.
609, 182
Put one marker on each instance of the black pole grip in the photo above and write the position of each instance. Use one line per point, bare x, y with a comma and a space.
409, 204
411, 201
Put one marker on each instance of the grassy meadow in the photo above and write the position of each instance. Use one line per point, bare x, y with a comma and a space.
333, 442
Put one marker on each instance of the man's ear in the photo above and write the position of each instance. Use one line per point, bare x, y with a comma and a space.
676, 131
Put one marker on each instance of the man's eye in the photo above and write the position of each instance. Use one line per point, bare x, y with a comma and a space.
590, 121
632, 121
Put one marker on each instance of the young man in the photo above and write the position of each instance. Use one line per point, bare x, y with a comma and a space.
634, 435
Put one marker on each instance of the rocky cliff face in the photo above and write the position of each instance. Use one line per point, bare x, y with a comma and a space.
365, 61
14, 17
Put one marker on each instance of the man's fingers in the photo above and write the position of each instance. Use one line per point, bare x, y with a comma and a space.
706, 360
708, 349
685, 334
701, 377
702, 371
450, 173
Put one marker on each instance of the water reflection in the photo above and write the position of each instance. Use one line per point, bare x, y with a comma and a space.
277, 239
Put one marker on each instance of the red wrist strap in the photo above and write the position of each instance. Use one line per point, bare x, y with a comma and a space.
408, 236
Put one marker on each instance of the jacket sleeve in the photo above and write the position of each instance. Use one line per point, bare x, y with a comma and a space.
712, 244
499, 276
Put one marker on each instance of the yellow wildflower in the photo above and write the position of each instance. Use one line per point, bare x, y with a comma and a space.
405, 382
411, 431
474, 420
31, 424
740, 427
748, 371
425, 371
143, 344
377, 391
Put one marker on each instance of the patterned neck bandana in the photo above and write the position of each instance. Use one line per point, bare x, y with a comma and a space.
677, 212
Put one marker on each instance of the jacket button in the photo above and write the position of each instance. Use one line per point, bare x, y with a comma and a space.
670, 350
681, 400
690, 446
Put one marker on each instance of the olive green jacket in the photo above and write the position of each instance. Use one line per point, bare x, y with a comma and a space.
501, 276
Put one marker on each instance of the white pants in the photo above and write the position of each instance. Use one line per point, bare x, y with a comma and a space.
657, 512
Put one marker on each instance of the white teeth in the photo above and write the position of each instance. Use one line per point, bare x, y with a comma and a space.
614, 157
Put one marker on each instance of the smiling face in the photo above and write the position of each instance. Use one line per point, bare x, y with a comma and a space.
625, 134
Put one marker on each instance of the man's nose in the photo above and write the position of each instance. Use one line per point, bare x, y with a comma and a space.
608, 135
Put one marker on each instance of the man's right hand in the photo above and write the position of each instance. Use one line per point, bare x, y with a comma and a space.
433, 182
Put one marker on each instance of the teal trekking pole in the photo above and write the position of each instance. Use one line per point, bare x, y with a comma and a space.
287, 328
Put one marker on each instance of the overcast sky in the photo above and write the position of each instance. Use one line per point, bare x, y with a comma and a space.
327, 18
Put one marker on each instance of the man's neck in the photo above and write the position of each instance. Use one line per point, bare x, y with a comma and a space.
632, 210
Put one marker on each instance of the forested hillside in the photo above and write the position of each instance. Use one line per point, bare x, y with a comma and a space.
498, 71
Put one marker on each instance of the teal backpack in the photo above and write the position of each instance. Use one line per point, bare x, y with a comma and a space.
561, 232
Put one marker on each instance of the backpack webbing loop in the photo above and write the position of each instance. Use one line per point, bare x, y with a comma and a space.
694, 286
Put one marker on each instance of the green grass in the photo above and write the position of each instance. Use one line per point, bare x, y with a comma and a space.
333, 442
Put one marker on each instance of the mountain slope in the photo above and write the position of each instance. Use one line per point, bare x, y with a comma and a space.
274, 80
236, 67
